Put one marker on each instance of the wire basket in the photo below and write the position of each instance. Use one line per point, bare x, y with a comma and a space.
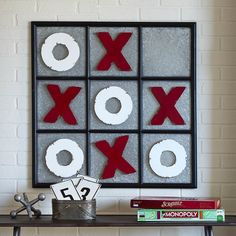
73, 209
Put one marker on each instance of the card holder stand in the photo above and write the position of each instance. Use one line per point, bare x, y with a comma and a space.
73, 209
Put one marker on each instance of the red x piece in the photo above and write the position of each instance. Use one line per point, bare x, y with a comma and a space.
167, 105
62, 102
115, 158
114, 53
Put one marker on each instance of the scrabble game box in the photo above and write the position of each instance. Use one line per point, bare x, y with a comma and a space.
175, 203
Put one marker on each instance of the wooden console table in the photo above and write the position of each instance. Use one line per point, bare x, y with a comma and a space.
105, 221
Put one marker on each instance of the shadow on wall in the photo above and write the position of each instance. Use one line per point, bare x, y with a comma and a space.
216, 106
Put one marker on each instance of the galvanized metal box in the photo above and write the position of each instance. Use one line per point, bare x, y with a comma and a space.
73, 209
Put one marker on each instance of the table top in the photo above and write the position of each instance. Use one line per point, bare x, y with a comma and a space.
102, 221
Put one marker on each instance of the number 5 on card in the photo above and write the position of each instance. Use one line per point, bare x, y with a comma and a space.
65, 191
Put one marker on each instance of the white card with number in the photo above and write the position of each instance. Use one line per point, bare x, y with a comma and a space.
65, 191
76, 181
87, 189
88, 178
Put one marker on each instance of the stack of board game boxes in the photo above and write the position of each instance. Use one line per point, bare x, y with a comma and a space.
178, 209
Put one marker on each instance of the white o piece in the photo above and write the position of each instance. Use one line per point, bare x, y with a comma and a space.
155, 158
64, 145
66, 40
113, 118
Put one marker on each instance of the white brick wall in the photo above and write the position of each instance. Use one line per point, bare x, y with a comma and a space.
216, 75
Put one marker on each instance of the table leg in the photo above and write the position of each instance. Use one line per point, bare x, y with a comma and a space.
208, 230
16, 231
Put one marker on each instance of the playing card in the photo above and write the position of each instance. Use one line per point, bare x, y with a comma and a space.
65, 191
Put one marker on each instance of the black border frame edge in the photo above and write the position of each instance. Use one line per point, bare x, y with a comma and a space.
191, 78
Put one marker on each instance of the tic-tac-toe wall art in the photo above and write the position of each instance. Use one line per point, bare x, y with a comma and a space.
115, 101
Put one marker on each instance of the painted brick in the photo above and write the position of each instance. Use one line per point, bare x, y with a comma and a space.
209, 131
119, 13
209, 102
228, 73
219, 176
7, 102
160, 192
217, 3
124, 206
7, 47
5, 210
7, 130
23, 75
13, 144
140, 3
14, 117
13, 172
219, 117
160, 14
223, 88
107, 204
140, 231
108, 2
7, 20
228, 204
16, 61
29, 231
219, 28
8, 158
209, 43
12, 88
7, 200
23, 20
224, 231
228, 14
48, 200
57, 7
103, 192
207, 161
228, 43
229, 163
181, 3
219, 146
199, 118
228, 102
5, 231
24, 158
180, 231
208, 73
219, 58
23, 131
228, 132
8, 74
228, 190
17, 6
83, 16
23, 48
88, 6
99, 232
15, 34
46, 210
200, 14
57, 231
8, 186
26, 186
23, 103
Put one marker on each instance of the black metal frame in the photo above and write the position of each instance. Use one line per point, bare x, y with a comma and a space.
139, 78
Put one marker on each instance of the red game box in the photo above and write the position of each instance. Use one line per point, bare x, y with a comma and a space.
174, 203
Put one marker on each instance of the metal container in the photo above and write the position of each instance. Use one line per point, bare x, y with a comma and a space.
73, 209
